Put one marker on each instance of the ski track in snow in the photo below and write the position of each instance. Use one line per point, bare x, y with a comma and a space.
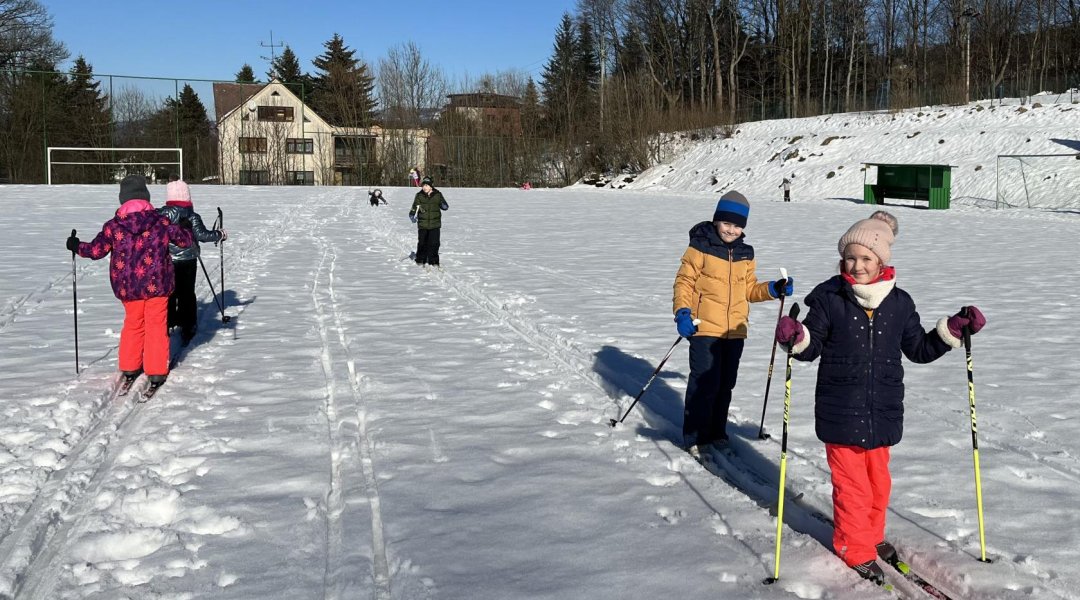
60, 517
574, 361
355, 447
33, 550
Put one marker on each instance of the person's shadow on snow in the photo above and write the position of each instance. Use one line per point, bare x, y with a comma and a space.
661, 406
210, 323
661, 409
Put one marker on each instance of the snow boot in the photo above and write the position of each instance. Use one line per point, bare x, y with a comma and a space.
887, 553
871, 571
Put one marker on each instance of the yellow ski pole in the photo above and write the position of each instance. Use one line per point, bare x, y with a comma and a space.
794, 314
975, 439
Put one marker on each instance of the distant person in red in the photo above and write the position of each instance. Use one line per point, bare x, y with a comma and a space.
414, 177
141, 273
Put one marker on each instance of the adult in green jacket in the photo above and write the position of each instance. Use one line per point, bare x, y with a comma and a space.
426, 212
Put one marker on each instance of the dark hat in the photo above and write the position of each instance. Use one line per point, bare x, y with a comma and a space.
133, 187
427, 180
733, 208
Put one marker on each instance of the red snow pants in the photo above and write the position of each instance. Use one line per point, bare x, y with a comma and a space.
861, 487
144, 340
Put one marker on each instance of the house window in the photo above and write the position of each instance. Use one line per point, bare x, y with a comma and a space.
300, 177
253, 144
254, 177
299, 146
275, 113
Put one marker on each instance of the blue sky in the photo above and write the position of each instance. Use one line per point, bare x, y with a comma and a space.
204, 39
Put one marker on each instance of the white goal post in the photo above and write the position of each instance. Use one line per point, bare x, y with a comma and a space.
129, 159
1036, 180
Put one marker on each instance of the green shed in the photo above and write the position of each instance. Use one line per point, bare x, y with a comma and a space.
930, 183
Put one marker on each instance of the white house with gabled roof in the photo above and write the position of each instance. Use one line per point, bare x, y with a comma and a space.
268, 136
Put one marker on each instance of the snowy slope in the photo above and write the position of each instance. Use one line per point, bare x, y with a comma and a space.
366, 428
824, 155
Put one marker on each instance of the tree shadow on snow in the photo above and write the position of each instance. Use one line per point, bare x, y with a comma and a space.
1070, 144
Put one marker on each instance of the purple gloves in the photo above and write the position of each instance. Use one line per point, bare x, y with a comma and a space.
789, 332
969, 317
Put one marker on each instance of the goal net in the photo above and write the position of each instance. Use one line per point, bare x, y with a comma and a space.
110, 165
1037, 181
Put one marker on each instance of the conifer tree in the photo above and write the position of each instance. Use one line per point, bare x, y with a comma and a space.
183, 122
558, 81
286, 67
245, 75
343, 87
87, 107
35, 118
530, 110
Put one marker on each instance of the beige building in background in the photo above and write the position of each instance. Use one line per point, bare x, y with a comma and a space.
268, 136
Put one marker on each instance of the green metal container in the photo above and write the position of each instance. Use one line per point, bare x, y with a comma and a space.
929, 183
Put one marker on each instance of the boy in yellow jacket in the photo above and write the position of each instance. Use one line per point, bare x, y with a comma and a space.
716, 284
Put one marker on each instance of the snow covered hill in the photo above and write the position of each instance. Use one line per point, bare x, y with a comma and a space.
824, 156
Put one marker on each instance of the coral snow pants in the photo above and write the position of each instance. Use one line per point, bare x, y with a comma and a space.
144, 340
861, 487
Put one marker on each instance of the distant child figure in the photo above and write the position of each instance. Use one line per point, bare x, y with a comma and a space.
414, 177
141, 274
183, 306
787, 189
426, 212
859, 323
716, 283
526, 186
375, 197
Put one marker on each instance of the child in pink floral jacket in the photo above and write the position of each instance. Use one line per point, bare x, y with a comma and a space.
141, 274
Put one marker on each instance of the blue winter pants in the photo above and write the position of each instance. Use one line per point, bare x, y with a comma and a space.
714, 366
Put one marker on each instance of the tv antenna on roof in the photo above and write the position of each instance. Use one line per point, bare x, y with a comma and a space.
271, 46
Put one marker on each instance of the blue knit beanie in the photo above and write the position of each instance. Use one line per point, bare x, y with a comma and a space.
733, 208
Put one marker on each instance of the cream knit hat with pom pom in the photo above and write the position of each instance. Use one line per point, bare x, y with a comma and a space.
876, 233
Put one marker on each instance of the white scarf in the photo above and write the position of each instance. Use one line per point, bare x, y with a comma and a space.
870, 295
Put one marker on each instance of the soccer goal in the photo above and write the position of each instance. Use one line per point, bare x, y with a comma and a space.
109, 165
1037, 180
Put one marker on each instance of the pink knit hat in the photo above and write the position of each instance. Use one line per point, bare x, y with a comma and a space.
876, 233
177, 190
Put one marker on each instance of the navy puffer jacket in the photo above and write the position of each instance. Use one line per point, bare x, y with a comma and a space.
860, 385
188, 218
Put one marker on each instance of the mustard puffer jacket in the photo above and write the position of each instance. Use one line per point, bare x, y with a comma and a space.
716, 281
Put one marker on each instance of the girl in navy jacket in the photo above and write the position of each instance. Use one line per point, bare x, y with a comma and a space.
860, 323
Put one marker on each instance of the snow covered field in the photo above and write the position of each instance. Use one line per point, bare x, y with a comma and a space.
364, 428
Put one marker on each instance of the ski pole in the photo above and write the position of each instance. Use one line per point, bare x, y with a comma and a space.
974, 437
221, 257
794, 314
772, 357
224, 317
613, 422
75, 305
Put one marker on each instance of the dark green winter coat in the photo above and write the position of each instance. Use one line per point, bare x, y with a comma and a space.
429, 208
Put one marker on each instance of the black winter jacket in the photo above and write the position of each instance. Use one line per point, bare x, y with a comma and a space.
860, 384
188, 218
428, 209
